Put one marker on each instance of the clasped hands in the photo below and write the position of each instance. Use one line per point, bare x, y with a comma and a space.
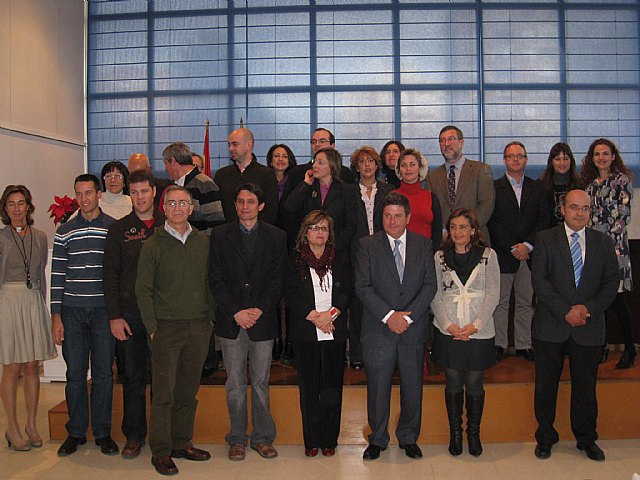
577, 316
248, 317
322, 320
397, 323
520, 251
463, 333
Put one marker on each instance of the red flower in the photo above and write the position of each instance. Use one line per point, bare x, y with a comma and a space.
62, 209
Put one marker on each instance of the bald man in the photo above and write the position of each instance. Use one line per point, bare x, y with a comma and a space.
139, 161
246, 169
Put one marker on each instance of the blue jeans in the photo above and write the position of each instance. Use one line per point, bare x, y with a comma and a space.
235, 353
87, 335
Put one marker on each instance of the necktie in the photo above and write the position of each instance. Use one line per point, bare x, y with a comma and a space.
397, 256
576, 257
451, 184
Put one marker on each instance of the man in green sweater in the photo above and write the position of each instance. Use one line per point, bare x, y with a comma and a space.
174, 300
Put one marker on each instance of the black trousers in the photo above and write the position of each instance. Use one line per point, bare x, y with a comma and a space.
320, 378
583, 365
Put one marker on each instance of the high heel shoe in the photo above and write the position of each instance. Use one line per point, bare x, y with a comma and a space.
18, 448
627, 359
34, 442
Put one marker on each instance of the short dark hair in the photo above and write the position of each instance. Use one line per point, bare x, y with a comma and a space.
511, 144
10, 190
252, 188
88, 177
452, 127
179, 151
332, 139
140, 176
119, 166
395, 198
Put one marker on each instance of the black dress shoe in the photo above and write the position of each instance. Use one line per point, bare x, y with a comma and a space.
411, 450
357, 365
604, 353
107, 445
593, 451
191, 453
372, 452
499, 354
164, 465
542, 451
70, 445
627, 359
526, 353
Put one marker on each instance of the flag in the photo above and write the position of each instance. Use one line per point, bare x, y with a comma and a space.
205, 151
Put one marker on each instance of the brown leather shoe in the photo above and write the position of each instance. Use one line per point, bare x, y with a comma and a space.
191, 453
132, 448
236, 452
265, 450
164, 465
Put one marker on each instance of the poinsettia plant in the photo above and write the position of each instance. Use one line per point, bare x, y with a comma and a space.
62, 209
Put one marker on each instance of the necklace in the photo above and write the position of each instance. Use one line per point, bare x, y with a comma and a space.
23, 253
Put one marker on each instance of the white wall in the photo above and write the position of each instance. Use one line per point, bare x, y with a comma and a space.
42, 95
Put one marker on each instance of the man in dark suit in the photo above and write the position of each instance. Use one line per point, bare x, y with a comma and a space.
246, 269
395, 280
520, 212
461, 182
575, 277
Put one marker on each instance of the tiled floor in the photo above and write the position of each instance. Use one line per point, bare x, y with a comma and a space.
505, 461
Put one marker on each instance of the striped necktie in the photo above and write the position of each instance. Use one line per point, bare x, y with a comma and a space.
576, 257
397, 256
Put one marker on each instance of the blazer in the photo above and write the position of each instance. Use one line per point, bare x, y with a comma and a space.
340, 203
378, 287
475, 191
299, 297
238, 283
553, 282
511, 223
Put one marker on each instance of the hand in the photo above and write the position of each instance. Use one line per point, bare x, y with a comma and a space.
248, 317
308, 177
120, 329
324, 321
397, 323
520, 251
464, 334
577, 316
151, 335
57, 329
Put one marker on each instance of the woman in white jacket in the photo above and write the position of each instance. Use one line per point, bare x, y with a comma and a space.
468, 292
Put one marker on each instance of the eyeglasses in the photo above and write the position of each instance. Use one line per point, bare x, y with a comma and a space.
318, 228
116, 176
578, 208
322, 141
447, 140
174, 204
513, 156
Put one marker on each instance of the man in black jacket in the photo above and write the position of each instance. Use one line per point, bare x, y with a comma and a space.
121, 252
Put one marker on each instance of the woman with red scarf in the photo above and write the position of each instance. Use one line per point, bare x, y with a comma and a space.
318, 289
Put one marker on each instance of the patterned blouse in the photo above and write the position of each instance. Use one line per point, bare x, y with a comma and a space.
611, 212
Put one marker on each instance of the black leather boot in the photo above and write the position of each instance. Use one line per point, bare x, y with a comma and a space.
627, 359
454, 403
475, 405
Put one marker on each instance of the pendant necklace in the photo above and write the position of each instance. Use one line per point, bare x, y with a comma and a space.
23, 252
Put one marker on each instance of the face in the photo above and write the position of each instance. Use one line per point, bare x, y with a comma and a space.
16, 207
450, 145
460, 231
199, 163
320, 139
171, 167
576, 209
391, 155
318, 234
240, 146
410, 169
321, 167
394, 220
247, 206
114, 181
515, 159
561, 163
142, 195
178, 216
603, 157
367, 167
87, 197
280, 159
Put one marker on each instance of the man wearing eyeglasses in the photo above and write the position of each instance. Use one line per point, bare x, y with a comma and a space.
575, 277
177, 310
520, 212
461, 182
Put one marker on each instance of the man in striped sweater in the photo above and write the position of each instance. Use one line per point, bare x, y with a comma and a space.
79, 317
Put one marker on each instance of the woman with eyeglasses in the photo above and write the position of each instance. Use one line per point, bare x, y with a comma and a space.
318, 287
607, 180
389, 154
115, 200
559, 177
25, 323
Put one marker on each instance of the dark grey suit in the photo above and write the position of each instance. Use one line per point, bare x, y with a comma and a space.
378, 287
553, 282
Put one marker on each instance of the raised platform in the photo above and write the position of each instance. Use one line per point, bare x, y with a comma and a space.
508, 408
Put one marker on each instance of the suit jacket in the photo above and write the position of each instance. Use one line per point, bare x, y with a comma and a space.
299, 297
511, 223
553, 282
238, 283
475, 191
378, 287
340, 203
362, 226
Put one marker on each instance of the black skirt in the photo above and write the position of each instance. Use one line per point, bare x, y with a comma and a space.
474, 355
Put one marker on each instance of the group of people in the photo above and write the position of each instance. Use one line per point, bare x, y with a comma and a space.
359, 256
